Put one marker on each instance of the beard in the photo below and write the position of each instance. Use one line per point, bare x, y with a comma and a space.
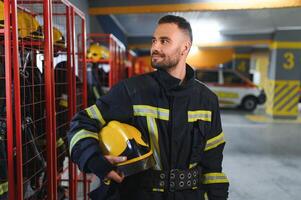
166, 62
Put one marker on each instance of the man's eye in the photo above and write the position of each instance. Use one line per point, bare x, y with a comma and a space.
153, 41
164, 41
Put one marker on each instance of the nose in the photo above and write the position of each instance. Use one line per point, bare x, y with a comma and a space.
155, 47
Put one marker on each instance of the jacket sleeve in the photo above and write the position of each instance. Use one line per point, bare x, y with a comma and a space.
84, 128
215, 181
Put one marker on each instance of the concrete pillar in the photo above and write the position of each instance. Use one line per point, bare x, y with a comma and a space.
284, 75
260, 63
241, 61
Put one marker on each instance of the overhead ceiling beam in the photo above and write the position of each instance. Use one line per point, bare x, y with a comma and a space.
237, 43
202, 6
222, 44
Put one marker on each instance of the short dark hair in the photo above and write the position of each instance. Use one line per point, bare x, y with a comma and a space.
180, 21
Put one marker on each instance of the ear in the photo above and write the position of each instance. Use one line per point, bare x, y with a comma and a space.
186, 48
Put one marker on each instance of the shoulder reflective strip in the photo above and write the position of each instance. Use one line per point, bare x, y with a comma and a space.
157, 190
82, 134
214, 142
59, 142
211, 178
150, 111
3, 188
192, 165
204, 115
94, 113
153, 135
194, 188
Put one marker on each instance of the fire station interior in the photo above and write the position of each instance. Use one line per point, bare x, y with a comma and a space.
59, 57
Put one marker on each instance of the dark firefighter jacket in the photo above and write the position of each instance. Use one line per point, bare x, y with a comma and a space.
180, 121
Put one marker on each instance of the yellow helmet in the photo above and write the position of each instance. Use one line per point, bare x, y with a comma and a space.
28, 26
120, 139
97, 52
1, 14
58, 38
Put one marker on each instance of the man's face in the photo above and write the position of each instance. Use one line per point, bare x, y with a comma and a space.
167, 43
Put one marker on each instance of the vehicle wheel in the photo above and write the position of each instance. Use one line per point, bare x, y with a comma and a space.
249, 103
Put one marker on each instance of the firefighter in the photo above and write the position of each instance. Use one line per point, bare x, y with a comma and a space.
178, 116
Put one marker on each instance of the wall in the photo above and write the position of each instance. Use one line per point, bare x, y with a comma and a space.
109, 26
199, 58
95, 25
83, 5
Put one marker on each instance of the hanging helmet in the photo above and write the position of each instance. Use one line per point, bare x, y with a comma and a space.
1, 14
28, 26
58, 38
119, 139
97, 52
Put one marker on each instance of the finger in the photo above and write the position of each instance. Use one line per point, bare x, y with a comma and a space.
115, 176
121, 174
115, 159
120, 178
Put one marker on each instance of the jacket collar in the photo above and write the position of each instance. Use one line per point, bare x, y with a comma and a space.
171, 83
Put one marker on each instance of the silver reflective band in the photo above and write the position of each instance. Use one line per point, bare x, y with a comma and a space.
215, 141
94, 113
211, 178
151, 111
153, 134
82, 134
204, 115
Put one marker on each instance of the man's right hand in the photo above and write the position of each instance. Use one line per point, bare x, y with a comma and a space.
114, 175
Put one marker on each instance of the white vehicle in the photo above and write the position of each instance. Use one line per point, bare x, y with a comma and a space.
232, 88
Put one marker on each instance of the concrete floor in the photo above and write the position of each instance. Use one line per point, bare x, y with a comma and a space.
262, 161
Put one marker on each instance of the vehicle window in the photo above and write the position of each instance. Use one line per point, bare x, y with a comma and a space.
207, 76
230, 77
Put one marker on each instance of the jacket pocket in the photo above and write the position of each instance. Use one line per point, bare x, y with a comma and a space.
198, 141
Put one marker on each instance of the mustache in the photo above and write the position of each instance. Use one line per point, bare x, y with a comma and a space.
157, 53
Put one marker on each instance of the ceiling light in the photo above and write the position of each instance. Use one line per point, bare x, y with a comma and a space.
205, 32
